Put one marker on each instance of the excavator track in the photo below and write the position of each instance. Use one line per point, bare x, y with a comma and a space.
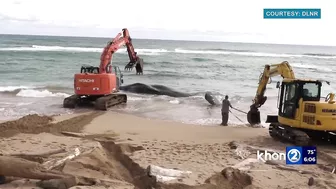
71, 101
101, 103
2, 179
289, 134
105, 102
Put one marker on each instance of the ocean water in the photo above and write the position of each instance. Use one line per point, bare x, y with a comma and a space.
36, 73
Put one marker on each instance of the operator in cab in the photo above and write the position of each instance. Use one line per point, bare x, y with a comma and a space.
226, 105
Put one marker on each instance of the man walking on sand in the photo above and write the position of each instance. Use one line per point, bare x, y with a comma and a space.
225, 110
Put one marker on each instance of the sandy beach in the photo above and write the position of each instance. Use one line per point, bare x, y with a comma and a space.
114, 150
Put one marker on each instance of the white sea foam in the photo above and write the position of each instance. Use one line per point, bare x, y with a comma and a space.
13, 88
251, 54
310, 66
39, 93
79, 49
154, 52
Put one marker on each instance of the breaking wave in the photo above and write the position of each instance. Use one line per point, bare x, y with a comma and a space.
229, 50
34, 92
203, 59
78, 49
311, 67
155, 52
320, 54
39, 93
252, 54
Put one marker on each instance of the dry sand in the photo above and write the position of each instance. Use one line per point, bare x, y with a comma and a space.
118, 148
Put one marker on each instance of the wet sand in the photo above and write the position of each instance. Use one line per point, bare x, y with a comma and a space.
117, 148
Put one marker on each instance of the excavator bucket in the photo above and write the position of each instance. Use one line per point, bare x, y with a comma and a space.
138, 66
253, 116
129, 66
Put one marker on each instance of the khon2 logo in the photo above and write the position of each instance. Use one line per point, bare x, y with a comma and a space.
295, 155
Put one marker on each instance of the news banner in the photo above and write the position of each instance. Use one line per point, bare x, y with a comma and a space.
292, 13
295, 155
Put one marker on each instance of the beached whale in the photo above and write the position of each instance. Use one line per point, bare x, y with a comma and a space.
153, 89
141, 88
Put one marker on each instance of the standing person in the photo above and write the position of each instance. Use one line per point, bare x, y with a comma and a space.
225, 110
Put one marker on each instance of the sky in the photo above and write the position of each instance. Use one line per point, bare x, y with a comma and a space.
209, 20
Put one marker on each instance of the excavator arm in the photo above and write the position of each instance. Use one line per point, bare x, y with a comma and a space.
134, 59
284, 70
123, 38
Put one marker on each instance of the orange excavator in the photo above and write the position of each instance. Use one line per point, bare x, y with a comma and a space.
100, 85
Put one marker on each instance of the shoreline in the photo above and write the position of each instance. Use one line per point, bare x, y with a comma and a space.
74, 114
128, 142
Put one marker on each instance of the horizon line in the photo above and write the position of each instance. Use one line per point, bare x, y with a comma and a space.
103, 37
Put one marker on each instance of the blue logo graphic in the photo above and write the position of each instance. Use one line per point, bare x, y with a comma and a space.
292, 13
293, 155
297, 155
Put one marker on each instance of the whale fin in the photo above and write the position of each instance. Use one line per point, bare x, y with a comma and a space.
211, 99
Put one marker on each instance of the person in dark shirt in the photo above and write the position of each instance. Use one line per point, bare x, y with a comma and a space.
226, 105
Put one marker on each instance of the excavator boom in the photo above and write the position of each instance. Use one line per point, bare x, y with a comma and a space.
122, 38
284, 70
130, 49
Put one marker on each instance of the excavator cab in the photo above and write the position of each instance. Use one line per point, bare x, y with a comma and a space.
89, 69
291, 92
119, 76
